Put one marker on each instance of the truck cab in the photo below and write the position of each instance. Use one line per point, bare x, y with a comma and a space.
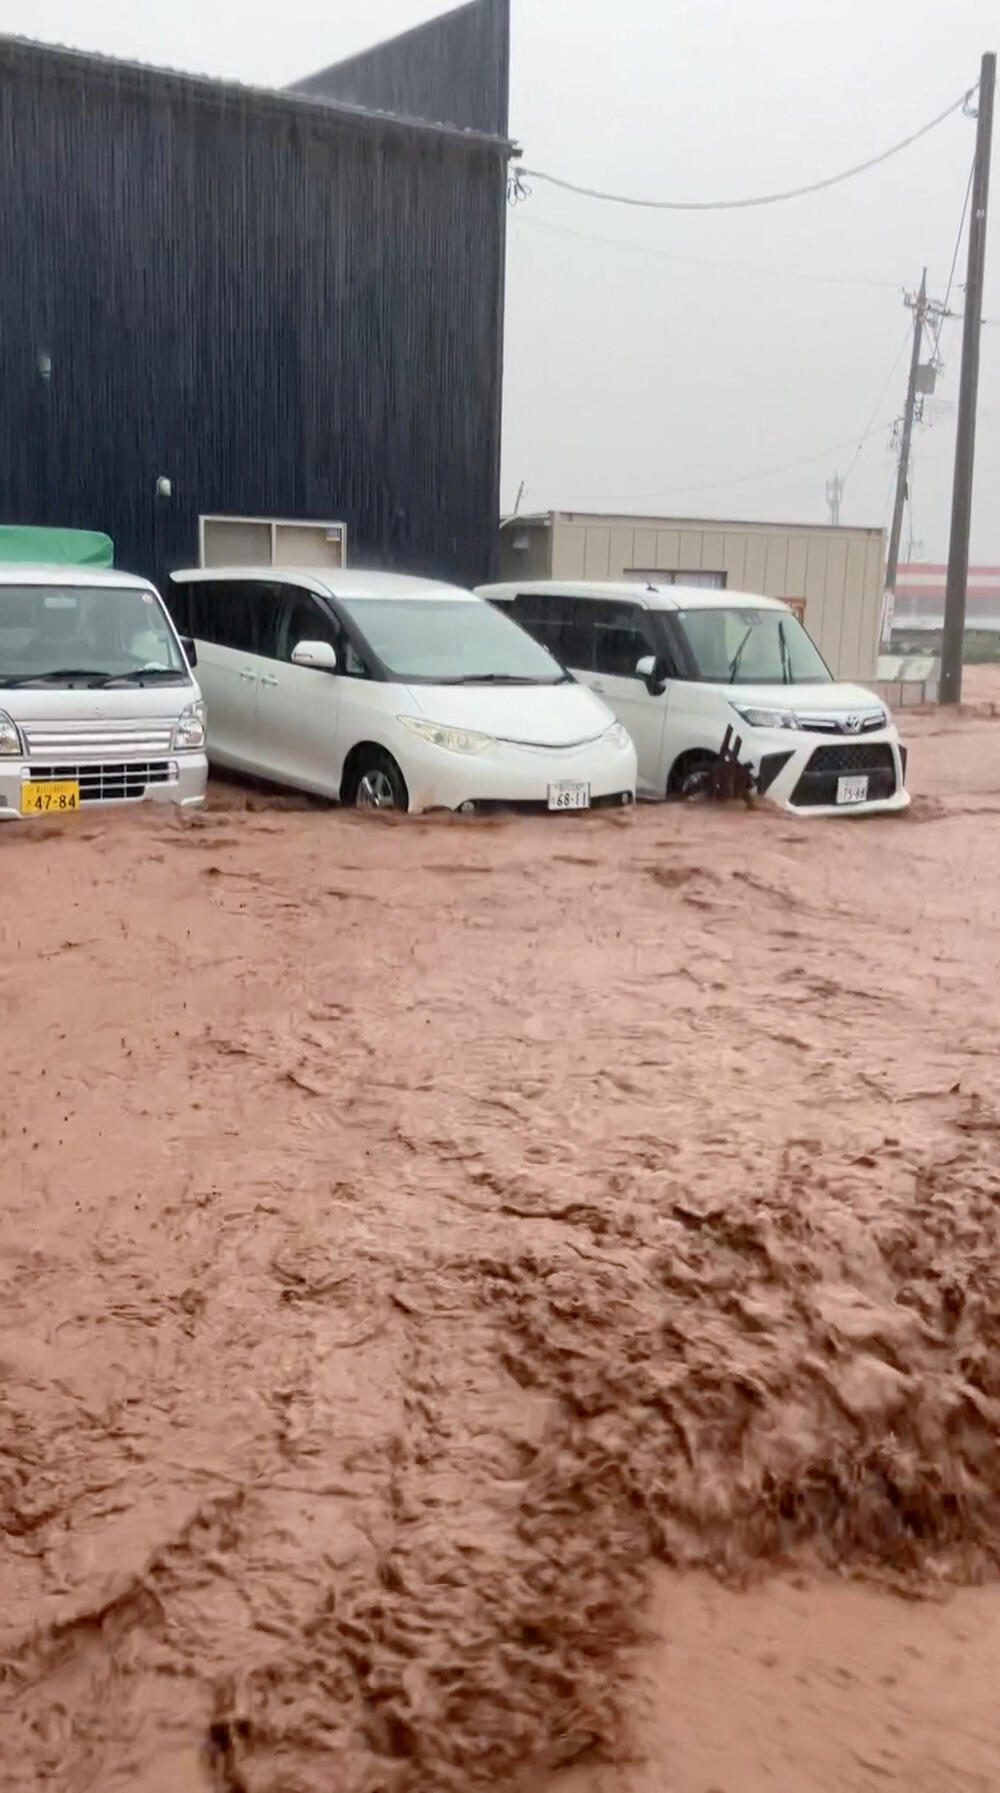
98, 699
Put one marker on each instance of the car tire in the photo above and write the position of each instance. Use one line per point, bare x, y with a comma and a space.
378, 782
689, 776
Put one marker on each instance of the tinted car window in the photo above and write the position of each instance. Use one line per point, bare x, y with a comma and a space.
622, 636
178, 601
303, 618
234, 613
561, 623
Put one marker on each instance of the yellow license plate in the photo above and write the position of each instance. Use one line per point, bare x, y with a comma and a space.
50, 796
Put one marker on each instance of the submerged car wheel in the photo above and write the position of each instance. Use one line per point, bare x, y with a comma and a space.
690, 776
378, 782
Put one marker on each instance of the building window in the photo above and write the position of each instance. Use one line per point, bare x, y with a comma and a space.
713, 581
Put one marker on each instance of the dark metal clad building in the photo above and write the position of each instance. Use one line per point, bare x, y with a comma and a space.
216, 300
453, 69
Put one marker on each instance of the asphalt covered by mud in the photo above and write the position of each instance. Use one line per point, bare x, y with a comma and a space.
415, 1231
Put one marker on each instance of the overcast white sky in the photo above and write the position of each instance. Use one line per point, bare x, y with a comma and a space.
672, 363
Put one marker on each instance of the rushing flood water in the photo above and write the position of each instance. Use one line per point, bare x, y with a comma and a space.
415, 1232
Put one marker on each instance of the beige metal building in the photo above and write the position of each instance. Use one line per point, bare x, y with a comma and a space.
831, 576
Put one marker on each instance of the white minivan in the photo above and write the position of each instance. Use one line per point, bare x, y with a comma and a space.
392, 693
98, 704
681, 665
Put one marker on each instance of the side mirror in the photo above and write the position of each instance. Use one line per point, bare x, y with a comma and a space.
650, 670
319, 655
190, 651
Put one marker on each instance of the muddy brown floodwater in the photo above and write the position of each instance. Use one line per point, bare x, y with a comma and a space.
504, 1305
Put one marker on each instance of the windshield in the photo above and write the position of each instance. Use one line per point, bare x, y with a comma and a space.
751, 647
444, 641
90, 634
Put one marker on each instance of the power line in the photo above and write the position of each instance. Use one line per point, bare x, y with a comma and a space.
870, 425
739, 479
702, 261
958, 239
519, 191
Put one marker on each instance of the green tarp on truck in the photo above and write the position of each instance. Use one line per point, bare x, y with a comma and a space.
55, 547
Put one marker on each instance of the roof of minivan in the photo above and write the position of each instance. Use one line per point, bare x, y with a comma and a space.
31, 573
335, 582
647, 597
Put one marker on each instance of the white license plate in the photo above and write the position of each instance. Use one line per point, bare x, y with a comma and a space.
852, 790
569, 796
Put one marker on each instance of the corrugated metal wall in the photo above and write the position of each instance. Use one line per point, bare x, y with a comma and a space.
454, 69
279, 311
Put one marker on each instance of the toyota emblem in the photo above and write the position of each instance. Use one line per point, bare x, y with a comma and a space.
852, 725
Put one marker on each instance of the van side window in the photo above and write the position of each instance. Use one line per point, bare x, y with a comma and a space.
178, 600
303, 618
540, 615
622, 635
561, 623
233, 613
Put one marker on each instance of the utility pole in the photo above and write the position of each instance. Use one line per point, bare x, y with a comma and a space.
950, 689
918, 305
834, 493
926, 312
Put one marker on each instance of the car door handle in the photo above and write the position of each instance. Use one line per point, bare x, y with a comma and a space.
248, 678
598, 687
267, 680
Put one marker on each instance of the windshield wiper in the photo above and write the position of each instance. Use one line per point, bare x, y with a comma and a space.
786, 658
734, 664
61, 672
492, 678
139, 678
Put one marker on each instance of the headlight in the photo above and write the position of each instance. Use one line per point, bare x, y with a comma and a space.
190, 727
10, 738
455, 740
617, 736
767, 718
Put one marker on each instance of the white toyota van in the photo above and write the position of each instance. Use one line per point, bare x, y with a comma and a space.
392, 693
98, 704
681, 665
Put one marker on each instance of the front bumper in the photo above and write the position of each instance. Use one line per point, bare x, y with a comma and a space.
802, 772
509, 774
178, 779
